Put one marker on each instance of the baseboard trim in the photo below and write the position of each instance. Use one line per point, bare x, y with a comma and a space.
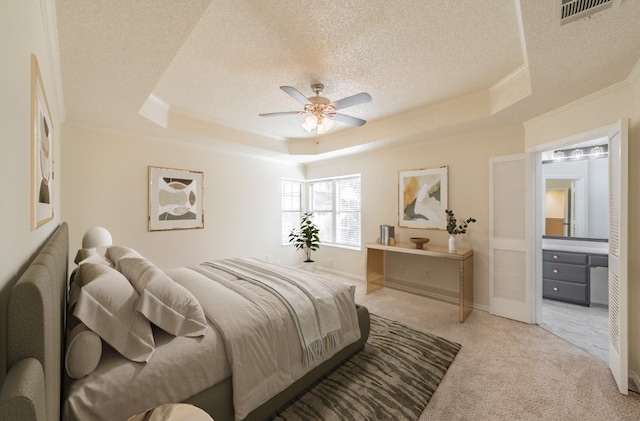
480, 307
435, 293
337, 272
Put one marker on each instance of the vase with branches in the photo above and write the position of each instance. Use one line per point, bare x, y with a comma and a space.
307, 236
453, 228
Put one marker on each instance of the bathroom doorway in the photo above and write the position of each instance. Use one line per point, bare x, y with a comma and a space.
574, 180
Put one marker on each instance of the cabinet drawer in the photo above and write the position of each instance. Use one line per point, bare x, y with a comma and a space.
565, 291
599, 260
564, 257
565, 272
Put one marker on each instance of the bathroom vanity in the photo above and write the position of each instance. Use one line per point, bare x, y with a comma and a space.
567, 269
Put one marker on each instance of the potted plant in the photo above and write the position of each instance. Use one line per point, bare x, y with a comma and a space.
454, 229
306, 237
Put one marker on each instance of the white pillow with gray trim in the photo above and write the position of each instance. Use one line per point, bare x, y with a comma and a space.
167, 304
117, 253
107, 305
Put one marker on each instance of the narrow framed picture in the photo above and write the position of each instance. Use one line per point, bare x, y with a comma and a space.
42, 193
423, 198
176, 199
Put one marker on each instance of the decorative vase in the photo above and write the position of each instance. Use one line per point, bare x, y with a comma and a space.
453, 245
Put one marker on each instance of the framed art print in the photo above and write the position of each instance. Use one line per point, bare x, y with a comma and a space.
422, 198
42, 193
176, 199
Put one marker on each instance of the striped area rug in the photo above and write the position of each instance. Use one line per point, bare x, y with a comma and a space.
393, 378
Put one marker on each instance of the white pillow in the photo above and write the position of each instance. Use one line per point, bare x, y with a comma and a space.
84, 256
84, 349
116, 253
107, 305
167, 304
91, 256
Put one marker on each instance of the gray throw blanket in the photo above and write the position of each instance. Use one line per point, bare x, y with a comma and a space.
261, 333
310, 303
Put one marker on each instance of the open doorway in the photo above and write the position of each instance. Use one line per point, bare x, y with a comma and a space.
575, 301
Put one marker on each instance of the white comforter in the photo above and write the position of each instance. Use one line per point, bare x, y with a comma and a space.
259, 331
252, 337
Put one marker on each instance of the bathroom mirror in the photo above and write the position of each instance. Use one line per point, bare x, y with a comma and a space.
576, 188
560, 208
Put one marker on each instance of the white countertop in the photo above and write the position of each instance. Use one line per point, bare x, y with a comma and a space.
581, 246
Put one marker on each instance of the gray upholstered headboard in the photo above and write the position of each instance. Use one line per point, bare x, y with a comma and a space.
35, 326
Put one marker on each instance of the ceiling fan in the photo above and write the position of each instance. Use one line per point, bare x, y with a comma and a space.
322, 112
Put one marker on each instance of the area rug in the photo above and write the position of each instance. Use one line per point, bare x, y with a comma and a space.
393, 378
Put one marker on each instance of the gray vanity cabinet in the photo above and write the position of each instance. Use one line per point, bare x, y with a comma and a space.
566, 275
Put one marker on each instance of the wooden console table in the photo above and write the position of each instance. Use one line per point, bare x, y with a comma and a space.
376, 268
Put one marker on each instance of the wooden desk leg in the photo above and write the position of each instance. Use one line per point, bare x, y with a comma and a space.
466, 288
375, 270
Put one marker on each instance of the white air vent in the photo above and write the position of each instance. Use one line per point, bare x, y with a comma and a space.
571, 10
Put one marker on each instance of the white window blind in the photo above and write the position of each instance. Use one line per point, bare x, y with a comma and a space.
348, 211
335, 204
321, 194
291, 207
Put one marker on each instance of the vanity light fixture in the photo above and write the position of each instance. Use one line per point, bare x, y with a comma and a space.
576, 154
596, 151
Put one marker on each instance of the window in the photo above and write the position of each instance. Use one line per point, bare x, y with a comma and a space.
291, 207
335, 204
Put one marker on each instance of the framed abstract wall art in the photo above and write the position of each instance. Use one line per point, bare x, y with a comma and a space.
42, 193
422, 198
176, 199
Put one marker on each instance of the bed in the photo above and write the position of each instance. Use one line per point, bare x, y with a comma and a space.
34, 388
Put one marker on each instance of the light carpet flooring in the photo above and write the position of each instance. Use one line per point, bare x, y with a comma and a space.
506, 370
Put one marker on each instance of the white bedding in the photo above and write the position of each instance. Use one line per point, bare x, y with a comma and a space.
180, 368
263, 346
251, 335
309, 302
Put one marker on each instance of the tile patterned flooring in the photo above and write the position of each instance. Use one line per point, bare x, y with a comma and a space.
584, 327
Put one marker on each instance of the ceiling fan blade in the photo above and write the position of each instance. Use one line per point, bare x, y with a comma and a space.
295, 94
350, 101
354, 121
280, 113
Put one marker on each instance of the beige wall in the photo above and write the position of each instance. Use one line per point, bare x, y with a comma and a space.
467, 157
102, 178
105, 183
23, 33
588, 114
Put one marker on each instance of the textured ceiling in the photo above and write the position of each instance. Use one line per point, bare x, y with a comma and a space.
202, 70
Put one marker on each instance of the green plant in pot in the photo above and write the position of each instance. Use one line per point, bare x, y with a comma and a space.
306, 237
454, 229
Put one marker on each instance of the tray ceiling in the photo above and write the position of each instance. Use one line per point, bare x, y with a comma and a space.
201, 71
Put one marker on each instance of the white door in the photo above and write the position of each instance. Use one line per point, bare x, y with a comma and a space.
618, 243
509, 266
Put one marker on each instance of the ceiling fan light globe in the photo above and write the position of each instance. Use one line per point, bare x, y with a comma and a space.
325, 126
328, 124
309, 124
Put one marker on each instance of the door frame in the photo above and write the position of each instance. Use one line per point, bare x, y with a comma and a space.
619, 366
535, 223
